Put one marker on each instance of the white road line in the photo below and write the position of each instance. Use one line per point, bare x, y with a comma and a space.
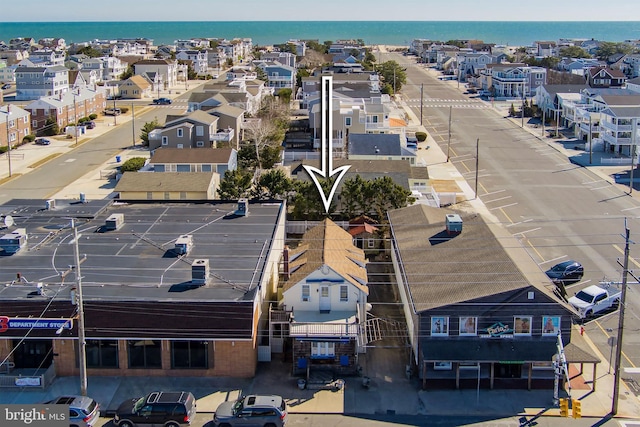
495, 192
593, 182
600, 188
528, 231
504, 206
553, 260
495, 200
70, 160
630, 209
521, 222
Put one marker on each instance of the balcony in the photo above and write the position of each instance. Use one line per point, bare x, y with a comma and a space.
611, 139
617, 128
376, 126
222, 135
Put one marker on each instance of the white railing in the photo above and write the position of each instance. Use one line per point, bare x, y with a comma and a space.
41, 381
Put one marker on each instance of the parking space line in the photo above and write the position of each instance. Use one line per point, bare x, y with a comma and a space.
528, 231
505, 214
630, 209
553, 260
521, 222
600, 188
606, 334
496, 200
504, 206
535, 250
498, 191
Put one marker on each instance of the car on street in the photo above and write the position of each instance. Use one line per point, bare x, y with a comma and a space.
163, 408
90, 125
162, 101
566, 272
258, 410
6, 86
83, 410
42, 141
112, 112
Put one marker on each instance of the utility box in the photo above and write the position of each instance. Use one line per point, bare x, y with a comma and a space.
199, 271
184, 244
243, 207
114, 222
454, 224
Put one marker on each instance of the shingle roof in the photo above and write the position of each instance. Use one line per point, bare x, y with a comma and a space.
328, 244
165, 181
441, 269
191, 155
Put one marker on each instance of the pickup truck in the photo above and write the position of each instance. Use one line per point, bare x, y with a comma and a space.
594, 299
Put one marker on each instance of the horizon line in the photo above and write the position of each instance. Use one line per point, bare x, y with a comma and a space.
323, 20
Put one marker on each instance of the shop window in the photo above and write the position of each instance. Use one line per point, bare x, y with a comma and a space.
189, 354
468, 326
439, 326
102, 353
550, 325
522, 325
320, 350
144, 354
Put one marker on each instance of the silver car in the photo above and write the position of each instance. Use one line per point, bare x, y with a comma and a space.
252, 410
83, 411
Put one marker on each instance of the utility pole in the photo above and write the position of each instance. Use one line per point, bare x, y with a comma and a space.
8, 139
633, 156
82, 342
421, 100
75, 117
115, 122
542, 122
625, 271
591, 141
133, 125
477, 164
449, 141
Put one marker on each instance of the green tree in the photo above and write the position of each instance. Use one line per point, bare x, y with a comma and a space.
457, 43
90, 52
270, 155
128, 73
393, 74
307, 203
273, 184
606, 49
235, 184
573, 52
134, 164
315, 46
285, 95
148, 127
51, 127
247, 157
213, 44
302, 72
388, 195
261, 75
351, 196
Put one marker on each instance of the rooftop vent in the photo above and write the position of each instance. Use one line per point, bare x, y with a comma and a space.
114, 222
243, 207
184, 244
454, 224
199, 271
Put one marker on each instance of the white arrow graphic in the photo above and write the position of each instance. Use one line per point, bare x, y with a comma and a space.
326, 141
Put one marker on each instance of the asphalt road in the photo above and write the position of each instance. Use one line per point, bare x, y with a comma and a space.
558, 210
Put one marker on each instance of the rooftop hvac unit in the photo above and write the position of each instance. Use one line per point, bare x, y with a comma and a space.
200, 271
14, 241
243, 207
184, 244
114, 222
50, 204
454, 223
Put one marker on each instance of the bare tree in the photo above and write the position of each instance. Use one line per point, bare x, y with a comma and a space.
260, 132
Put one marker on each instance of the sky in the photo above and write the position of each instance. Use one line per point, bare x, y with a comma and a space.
324, 10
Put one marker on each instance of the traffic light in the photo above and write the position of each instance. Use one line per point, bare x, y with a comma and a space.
564, 407
576, 408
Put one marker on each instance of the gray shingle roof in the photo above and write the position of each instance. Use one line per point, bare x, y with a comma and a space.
166, 181
191, 155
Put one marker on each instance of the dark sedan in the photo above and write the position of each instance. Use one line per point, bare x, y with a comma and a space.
566, 272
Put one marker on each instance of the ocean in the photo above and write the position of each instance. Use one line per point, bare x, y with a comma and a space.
372, 32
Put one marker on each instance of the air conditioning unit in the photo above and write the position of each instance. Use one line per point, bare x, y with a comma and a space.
243, 207
114, 222
183, 244
200, 271
454, 223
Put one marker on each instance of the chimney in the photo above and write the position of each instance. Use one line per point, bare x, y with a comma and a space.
285, 263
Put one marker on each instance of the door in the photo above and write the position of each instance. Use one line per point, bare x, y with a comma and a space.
33, 354
325, 300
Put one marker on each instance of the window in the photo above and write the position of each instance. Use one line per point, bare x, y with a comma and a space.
102, 353
305, 293
522, 325
550, 325
199, 144
183, 195
167, 195
468, 326
189, 354
180, 133
347, 121
149, 195
344, 293
439, 326
371, 243
199, 130
179, 145
206, 168
144, 354
165, 140
320, 350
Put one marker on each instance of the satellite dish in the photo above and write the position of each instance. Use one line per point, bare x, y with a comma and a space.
8, 221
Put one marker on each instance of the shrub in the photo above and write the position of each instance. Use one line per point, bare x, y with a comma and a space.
3, 149
421, 136
29, 138
93, 116
133, 164
123, 110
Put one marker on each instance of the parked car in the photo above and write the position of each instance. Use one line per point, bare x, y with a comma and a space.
90, 125
259, 410
162, 101
595, 299
6, 86
565, 272
112, 112
42, 141
165, 408
83, 411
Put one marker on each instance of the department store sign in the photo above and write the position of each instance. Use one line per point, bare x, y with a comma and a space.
7, 323
497, 330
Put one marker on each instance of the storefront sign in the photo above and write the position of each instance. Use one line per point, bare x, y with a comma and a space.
498, 330
7, 323
28, 381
